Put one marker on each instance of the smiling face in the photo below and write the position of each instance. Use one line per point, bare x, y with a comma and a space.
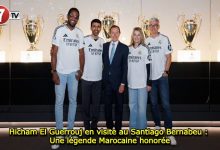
137, 37
73, 18
154, 27
95, 28
115, 33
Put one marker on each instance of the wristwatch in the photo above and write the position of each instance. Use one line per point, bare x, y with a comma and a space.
53, 71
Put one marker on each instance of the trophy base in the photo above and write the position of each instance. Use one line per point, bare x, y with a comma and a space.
188, 56
31, 56
2, 56
189, 48
32, 49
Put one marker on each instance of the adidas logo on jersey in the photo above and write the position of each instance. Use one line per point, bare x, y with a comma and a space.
65, 35
90, 45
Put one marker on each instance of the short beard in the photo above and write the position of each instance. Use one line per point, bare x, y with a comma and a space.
73, 26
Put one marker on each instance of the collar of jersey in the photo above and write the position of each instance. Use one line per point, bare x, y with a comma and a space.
69, 28
155, 36
137, 46
93, 38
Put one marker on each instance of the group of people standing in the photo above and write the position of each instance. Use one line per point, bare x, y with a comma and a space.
143, 67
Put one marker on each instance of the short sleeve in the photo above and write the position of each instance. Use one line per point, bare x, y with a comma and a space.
147, 55
168, 47
81, 40
55, 38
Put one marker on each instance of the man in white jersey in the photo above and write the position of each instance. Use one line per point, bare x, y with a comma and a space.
92, 76
67, 61
161, 50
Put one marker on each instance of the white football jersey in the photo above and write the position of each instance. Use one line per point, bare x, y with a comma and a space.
93, 58
159, 47
137, 71
69, 42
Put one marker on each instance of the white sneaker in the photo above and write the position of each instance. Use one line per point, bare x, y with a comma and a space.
172, 140
55, 146
60, 137
157, 127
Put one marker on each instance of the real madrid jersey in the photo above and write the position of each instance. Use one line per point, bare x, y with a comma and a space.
69, 42
137, 72
159, 47
93, 58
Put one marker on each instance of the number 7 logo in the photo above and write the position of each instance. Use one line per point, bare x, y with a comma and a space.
1, 14
4, 14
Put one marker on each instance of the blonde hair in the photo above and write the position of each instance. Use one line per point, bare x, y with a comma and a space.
141, 33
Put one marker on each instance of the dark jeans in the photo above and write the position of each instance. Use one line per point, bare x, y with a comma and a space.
91, 94
161, 86
112, 95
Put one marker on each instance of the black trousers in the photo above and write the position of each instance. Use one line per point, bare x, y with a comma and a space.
91, 96
112, 95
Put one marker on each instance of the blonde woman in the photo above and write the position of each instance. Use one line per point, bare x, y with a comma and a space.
138, 79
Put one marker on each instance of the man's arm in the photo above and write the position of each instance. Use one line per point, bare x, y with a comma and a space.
125, 70
168, 63
53, 53
149, 82
103, 54
125, 66
81, 63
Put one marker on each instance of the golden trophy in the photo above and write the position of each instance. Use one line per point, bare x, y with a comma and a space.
108, 20
189, 28
32, 27
61, 20
144, 24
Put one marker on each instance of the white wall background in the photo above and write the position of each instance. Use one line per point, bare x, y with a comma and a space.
208, 40
215, 29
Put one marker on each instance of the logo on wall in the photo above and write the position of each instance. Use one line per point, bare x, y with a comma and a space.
5, 15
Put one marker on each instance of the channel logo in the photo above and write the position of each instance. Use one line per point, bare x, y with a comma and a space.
5, 15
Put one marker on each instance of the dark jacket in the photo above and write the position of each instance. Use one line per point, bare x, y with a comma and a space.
116, 72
